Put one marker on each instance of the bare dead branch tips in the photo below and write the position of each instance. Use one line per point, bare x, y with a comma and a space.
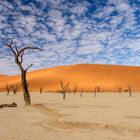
40, 90
11, 42
64, 88
21, 57
119, 89
75, 88
28, 48
15, 88
29, 67
8, 88
16, 49
130, 90
10, 46
18, 55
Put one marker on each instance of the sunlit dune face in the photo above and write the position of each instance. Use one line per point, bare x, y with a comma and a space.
84, 76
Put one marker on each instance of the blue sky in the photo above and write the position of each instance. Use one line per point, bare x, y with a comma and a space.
70, 32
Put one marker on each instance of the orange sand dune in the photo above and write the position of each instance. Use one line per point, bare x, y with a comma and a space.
85, 76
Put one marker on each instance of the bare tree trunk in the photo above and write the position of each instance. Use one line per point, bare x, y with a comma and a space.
64, 96
8, 92
25, 88
81, 94
95, 94
119, 89
64, 88
8, 88
95, 91
41, 89
18, 55
130, 90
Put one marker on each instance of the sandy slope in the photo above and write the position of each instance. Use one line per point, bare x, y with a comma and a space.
85, 76
107, 117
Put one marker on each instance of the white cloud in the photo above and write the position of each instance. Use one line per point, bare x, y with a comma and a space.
69, 38
79, 9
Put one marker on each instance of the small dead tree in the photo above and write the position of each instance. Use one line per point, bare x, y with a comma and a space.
64, 89
98, 89
69, 91
119, 89
15, 88
8, 88
81, 93
95, 91
75, 88
18, 55
130, 90
40, 90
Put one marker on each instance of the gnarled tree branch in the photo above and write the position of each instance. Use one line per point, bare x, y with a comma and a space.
29, 67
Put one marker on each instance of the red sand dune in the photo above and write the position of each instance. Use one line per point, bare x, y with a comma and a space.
85, 76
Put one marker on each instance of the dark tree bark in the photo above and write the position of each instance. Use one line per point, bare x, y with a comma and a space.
64, 89
95, 91
15, 88
119, 89
75, 88
8, 105
40, 90
8, 88
18, 55
130, 90
81, 93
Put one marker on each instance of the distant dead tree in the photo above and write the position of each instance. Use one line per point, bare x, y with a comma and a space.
64, 88
130, 90
15, 88
81, 93
126, 90
96, 90
40, 90
18, 55
119, 89
74, 88
8, 88
69, 91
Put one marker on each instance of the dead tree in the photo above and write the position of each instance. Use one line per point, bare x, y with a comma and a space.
95, 91
75, 88
130, 90
64, 88
18, 55
69, 91
98, 89
119, 89
15, 88
8, 105
8, 88
41, 90
81, 94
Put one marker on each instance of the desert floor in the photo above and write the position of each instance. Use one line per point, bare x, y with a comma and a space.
106, 117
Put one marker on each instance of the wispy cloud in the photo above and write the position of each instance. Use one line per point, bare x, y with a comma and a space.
70, 32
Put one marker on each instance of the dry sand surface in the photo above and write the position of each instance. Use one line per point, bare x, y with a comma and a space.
85, 76
106, 117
